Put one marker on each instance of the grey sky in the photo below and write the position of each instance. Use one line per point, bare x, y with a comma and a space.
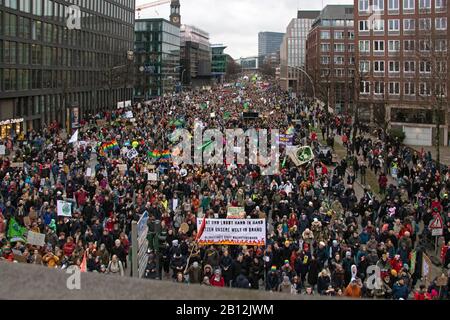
236, 23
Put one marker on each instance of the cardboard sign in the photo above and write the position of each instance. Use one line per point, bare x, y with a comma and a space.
132, 154
16, 164
36, 239
152, 176
20, 258
235, 213
64, 208
32, 215
27, 221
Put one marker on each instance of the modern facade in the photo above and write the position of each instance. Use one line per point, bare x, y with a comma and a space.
157, 58
219, 62
402, 53
293, 50
330, 57
196, 56
248, 63
268, 42
57, 69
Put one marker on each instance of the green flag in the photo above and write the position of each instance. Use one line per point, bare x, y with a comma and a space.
15, 231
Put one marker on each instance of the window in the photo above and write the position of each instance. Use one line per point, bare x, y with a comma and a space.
409, 4
441, 45
363, 5
410, 88
378, 45
10, 24
340, 73
394, 45
425, 67
10, 52
394, 25
364, 87
364, 66
25, 6
378, 5
364, 25
339, 60
410, 66
394, 66
424, 45
364, 46
425, 24
11, 4
351, 35
325, 47
37, 7
409, 45
394, 88
379, 87
378, 25
441, 23
441, 66
378, 66
325, 35
351, 47
339, 34
409, 24
441, 89
393, 5
339, 47
425, 4
325, 60
351, 60
440, 4
424, 89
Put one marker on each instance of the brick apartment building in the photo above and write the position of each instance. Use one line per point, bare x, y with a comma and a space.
330, 57
401, 53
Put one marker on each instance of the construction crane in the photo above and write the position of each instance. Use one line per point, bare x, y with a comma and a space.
150, 5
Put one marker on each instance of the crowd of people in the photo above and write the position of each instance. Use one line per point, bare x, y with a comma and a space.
321, 236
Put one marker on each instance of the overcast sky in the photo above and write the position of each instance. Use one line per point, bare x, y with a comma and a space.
236, 23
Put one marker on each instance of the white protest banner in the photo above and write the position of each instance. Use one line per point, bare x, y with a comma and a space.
129, 114
239, 232
36, 239
2, 150
64, 208
132, 154
152, 176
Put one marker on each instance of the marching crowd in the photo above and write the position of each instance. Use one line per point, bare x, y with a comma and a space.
321, 240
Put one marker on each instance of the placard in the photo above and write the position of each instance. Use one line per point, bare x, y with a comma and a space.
2, 150
36, 239
16, 164
89, 172
122, 167
60, 156
249, 232
64, 208
235, 213
152, 176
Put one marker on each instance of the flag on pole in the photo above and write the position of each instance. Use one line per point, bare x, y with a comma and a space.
74, 137
83, 265
202, 228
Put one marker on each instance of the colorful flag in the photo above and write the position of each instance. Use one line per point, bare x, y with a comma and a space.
74, 137
107, 146
202, 228
83, 265
290, 130
15, 231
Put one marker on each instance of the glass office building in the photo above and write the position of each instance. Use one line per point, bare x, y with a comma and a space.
54, 58
157, 57
219, 62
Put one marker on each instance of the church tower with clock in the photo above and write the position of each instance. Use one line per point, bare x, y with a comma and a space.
175, 17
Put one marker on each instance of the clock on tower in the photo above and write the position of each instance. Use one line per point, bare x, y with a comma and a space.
175, 17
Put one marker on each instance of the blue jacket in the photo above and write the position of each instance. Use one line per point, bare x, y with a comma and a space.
400, 291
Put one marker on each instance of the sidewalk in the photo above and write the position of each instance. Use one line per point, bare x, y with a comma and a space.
443, 150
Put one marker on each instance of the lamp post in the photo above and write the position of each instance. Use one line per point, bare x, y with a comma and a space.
307, 75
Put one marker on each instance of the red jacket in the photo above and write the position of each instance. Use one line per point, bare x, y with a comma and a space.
397, 265
69, 248
215, 283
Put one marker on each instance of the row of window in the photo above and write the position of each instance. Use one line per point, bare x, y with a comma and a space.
24, 27
50, 8
394, 5
439, 45
409, 25
409, 88
337, 60
12, 52
408, 66
28, 79
337, 47
339, 35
